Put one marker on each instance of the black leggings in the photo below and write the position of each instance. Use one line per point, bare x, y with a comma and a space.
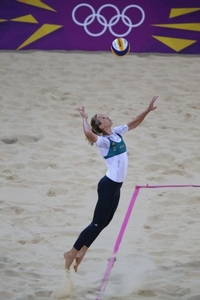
108, 199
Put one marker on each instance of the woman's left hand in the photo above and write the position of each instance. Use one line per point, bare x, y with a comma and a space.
151, 105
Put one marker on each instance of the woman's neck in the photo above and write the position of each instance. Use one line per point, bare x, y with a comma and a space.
107, 132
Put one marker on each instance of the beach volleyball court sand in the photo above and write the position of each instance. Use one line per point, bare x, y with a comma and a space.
49, 174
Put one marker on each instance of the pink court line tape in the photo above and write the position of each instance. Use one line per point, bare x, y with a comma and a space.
123, 228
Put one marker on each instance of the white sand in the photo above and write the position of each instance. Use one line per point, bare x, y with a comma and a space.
49, 174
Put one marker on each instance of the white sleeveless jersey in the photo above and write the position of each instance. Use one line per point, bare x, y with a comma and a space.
117, 164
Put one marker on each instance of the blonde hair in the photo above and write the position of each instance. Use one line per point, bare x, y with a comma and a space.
95, 123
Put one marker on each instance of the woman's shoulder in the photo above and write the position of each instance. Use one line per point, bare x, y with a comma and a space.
120, 129
102, 141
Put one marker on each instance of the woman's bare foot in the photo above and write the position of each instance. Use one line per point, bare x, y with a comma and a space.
78, 260
79, 257
69, 258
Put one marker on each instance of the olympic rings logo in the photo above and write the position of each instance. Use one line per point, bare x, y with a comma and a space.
103, 21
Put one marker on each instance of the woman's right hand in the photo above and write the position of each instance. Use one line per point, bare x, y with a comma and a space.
82, 112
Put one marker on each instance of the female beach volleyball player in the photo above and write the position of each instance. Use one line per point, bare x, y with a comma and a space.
113, 150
